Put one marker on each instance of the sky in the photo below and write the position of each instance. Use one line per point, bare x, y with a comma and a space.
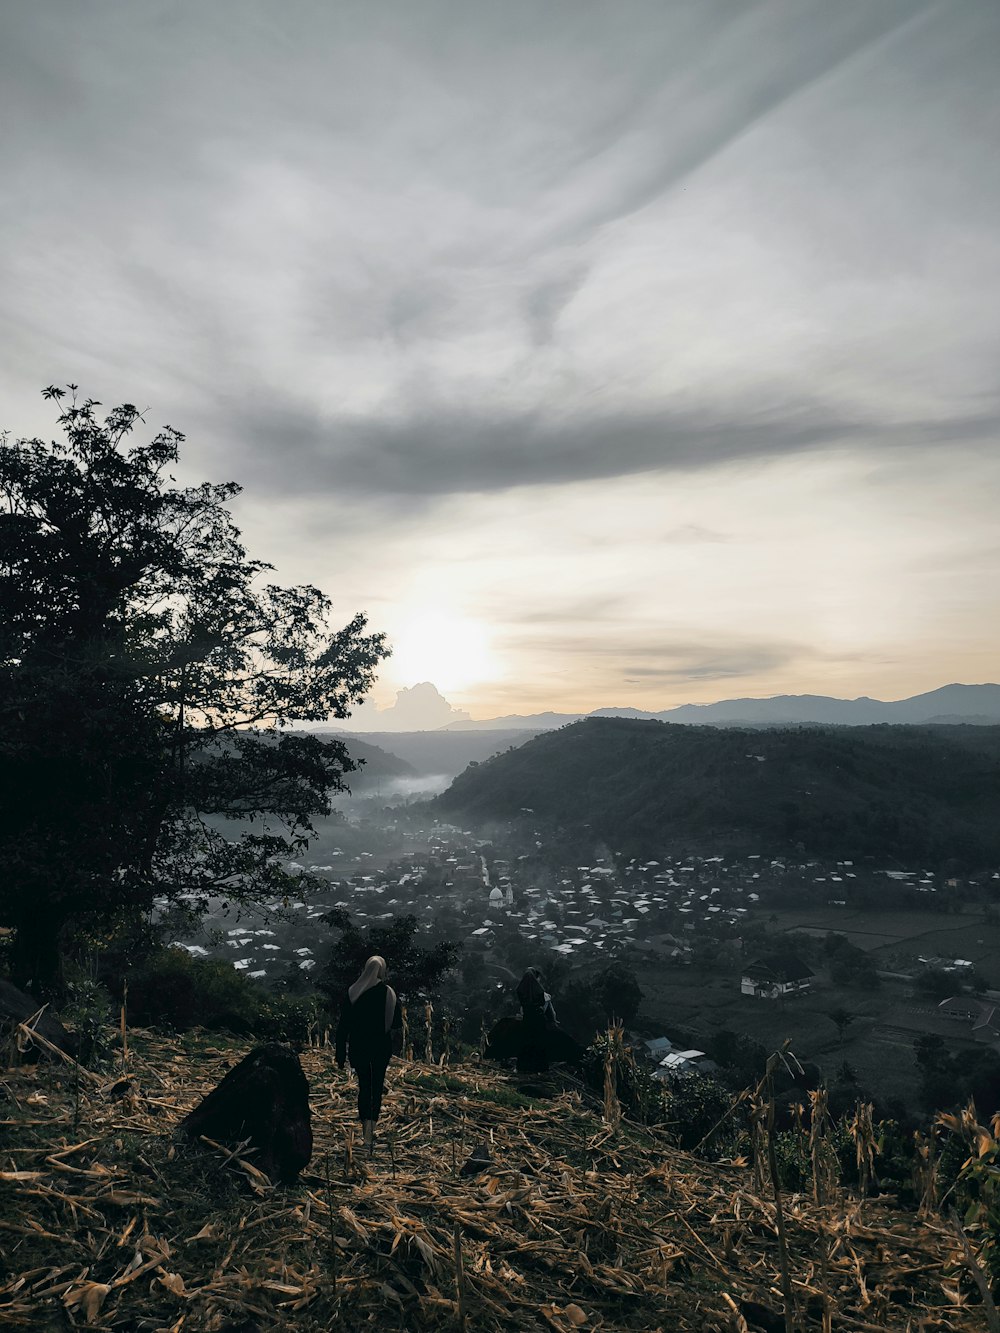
604, 354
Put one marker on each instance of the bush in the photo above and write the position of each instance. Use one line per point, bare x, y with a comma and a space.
88, 1012
640, 1095
175, 991
936, 984
695, 1103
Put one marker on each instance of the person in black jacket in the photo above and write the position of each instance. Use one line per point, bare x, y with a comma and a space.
538, 1019
364, 1034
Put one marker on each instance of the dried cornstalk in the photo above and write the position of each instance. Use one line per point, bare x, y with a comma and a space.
779, 1213
332, 1230
546, 1240
24, 1032
460, 1277
428, 1034
124, 1027
862, 1131
349, 1153
925, 1172
821, 1154
612, 1055
758, 1145
446, 1041
405, 1033
978, 1276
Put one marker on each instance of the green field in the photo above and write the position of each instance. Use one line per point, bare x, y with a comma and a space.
700, 1004
896, 935
701, 1001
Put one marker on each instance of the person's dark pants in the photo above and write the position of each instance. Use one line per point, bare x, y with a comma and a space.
371, 1084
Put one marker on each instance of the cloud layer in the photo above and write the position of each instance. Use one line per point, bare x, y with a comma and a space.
417, 274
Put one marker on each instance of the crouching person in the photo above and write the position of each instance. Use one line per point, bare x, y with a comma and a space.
364, 1035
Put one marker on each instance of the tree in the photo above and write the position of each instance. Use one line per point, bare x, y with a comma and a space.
937, 984
618, 992
842, 1020
414, 972
738, 1054
146, 672
850, 965
938, 1084
579, 1009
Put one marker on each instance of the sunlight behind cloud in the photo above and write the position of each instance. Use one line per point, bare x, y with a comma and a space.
445, 647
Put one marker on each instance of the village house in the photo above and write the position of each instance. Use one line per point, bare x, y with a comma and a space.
678, 1064
981, 1016
776, 975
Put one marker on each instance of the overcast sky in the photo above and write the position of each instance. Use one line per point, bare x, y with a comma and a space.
605, 354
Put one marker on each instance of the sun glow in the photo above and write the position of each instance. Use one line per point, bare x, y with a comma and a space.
453, 651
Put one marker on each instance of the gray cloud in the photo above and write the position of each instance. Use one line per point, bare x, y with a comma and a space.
296, 228
453, 452
385, 265
733, 664
661, 656
796, 47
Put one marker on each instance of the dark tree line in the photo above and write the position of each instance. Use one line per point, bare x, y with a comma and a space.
147, 667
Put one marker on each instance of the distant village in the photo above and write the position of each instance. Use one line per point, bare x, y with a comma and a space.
502, 903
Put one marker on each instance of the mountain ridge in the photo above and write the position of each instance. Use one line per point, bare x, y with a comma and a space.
894, 792
976, 705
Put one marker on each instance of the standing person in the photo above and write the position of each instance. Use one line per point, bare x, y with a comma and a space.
537, 1017
363, 1033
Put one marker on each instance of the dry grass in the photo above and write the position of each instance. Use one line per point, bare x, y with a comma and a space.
108, 1221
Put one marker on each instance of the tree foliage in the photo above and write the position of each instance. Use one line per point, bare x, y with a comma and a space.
849, 964
147, 667
414, 972
953, 1078
618, 992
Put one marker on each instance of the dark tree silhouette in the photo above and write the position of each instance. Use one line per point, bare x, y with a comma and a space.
842, 1020
618, 992
413, 971
146, 668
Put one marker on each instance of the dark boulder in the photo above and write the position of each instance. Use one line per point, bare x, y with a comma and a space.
479, 1160
507, 1041
17, 1006
265, 1098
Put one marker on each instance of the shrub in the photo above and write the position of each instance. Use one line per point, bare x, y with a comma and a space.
695, 1103
173, 990
88, 1012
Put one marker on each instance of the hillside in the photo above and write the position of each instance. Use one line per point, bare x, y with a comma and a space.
109, 1222
438, 753
901, 792
376, 764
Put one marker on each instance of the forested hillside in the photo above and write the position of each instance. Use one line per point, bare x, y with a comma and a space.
893, 792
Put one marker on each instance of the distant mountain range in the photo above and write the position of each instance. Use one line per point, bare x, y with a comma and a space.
978, 705
920, 794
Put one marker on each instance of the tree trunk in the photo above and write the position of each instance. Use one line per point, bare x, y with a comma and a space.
36, 956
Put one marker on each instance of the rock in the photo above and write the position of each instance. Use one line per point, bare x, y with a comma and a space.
17, 1006
479, 1160
265, 1098
762, 1317
506, 1041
